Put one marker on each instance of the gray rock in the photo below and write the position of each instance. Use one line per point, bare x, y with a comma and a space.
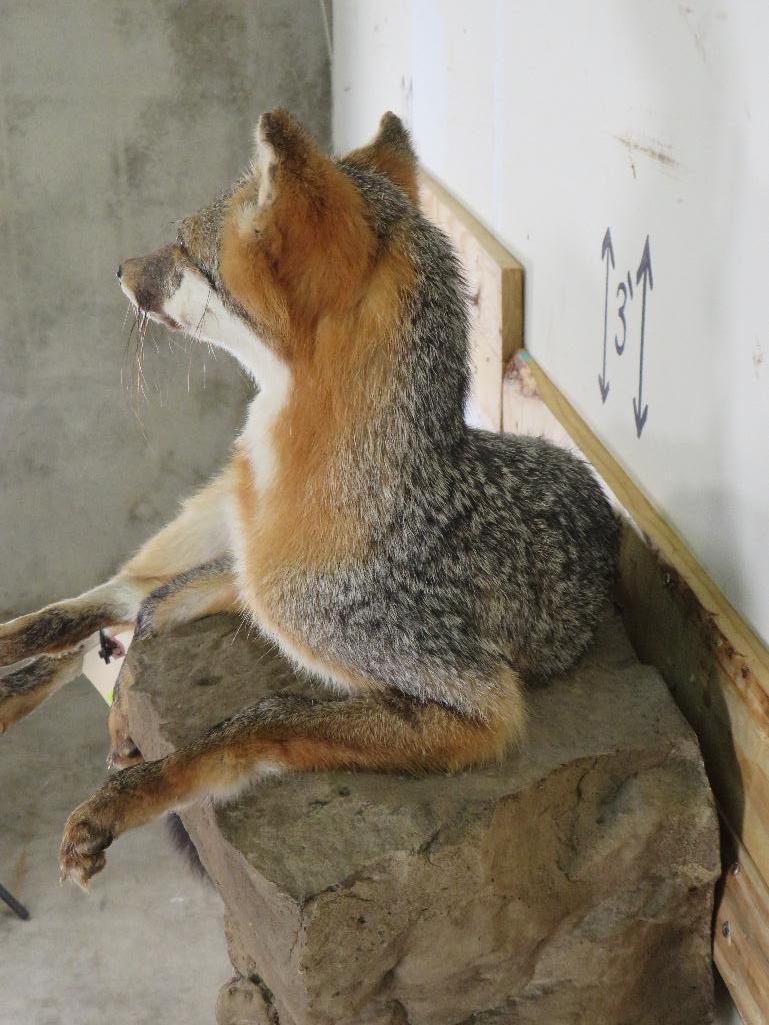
573, 883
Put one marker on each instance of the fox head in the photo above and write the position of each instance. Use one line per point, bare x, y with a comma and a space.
318, 274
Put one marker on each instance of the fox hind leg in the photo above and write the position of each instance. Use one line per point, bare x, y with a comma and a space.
286, 733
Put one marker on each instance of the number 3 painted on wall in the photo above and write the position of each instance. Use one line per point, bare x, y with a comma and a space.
621, 311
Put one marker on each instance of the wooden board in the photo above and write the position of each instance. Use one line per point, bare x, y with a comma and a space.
495, 283
741, 946
716, 686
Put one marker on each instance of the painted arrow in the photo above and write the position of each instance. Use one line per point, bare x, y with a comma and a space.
644, 273
607, 253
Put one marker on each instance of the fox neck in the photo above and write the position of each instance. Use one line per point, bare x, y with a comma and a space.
320, 445
329, 440
324, 462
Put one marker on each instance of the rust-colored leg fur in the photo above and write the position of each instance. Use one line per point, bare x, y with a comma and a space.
283, 733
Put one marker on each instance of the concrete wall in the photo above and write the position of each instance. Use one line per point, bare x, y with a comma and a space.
116, 119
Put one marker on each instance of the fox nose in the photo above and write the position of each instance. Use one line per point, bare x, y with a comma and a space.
119, 272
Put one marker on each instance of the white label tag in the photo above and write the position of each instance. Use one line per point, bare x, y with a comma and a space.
101, 675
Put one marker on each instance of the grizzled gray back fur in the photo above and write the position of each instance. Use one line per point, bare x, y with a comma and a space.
486, 552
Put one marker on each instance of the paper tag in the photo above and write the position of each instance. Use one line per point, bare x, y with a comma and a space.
101, 675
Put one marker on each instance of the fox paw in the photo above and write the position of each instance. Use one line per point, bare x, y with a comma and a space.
88, 832
124, 754
13, 706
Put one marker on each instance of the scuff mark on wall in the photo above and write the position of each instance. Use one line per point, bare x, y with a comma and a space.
758, 360
653, 149
686, 13
700, 23
407, 100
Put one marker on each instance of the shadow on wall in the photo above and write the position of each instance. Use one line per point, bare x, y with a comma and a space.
115, 121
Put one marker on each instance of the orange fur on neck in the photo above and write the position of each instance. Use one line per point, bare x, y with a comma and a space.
339, 337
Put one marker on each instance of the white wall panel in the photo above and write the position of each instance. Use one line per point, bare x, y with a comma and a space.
555, 121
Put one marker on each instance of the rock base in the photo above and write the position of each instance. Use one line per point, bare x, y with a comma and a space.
573, 883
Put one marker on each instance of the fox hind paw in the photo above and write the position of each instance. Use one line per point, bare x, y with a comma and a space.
124, 755
81, 854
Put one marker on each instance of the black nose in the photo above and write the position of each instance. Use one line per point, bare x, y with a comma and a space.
119, 272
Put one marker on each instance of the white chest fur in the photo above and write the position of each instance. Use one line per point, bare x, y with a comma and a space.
256, 439
197, 307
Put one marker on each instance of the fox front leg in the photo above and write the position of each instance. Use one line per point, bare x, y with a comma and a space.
157, 597
64, 625
198, 535
26, 688
56, 638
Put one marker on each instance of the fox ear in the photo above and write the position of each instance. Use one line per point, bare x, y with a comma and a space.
283, 148
391, 154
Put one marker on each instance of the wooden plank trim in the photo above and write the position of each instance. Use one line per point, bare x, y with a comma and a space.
495, 283
501, 256
741, 944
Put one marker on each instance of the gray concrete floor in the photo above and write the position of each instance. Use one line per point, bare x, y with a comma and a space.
146, 945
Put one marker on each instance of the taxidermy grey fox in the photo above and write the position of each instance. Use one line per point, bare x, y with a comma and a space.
421, 569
